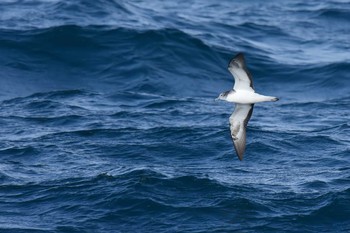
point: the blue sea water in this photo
(109, 124)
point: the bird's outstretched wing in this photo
(242, 76)
(238, 123)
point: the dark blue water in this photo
(109, 124)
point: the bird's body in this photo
(244, 96)
(247, 97)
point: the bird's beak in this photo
(217, 99)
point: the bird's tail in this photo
(271, 98)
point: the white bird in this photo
(244, 96)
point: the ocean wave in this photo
(150, 191)
(333, 208)
(19, 151)
(334, 13)
(57, 13)
(108, 60)
(125, 50)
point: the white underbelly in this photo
(247, 97)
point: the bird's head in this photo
(223, 96)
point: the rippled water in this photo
(109, 122)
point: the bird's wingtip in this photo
(237, 59)
(239, 152)
(239, 54)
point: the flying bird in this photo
(244, 96)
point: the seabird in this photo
(244, 96)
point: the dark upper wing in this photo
(242, 76)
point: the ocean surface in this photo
(109, 124)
